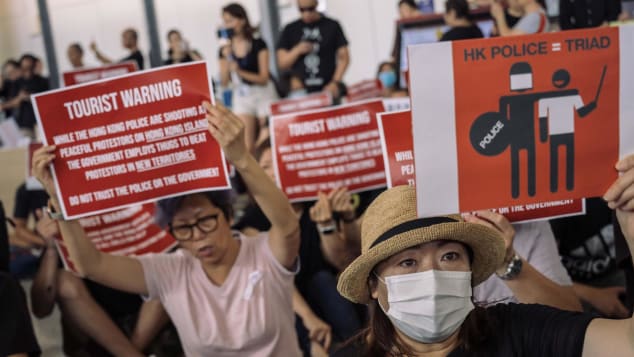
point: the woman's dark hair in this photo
(410, 3)
(166, 209)
(172, 32)
(383, 64)
(461, 7)
(237, 11)
(261, 148)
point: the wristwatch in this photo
(328, 228)
(58, 216)
(513, 269)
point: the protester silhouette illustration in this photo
(557, 124)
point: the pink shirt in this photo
(251, 314)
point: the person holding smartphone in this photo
(244, 63)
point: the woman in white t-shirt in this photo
(534, 18)
(227, 295)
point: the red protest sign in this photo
(311, 101)
(395, 129)
(367, 89)
(323, 149)
(398, 153)
(131, 231)
(131, 139)
(546, 121)
(86, 75)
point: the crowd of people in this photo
(346, 275)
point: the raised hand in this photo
(499, 223)
(228, 130)
(341, 203)
(320, 212)
(41, 160)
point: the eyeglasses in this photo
(308, 8)
(206, 224)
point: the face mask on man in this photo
(388, 79)
(430, 306)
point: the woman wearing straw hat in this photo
(417, 275)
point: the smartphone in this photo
(224, 33)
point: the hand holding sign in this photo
(499, 223)
(42, 158)
(341, 203)
(320, 212)
(228, 130)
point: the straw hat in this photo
(390, 225)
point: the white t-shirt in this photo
(560, 112)
(533, 22)
(251, 314)
(535, 242)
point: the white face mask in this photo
(430, 306)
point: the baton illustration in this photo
(592, 106)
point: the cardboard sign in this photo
(131, 139)
(398, 147)
(543, 210)
(323, 149)
(367, 89)
(86, 75)
(519, 120)
(398, 153)
(31, 183)
(131, 231)
(311, 101)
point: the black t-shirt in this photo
(511, 20)
(317, 67)
(249, 62)
(170, 60)
(27, 201)
(587, 13)
(524, 330)
(586, 243)
(462, 33)
(15, 321)
(311, 257)
(116, 303)
(25, 115)
(135, 56)
(8, 91)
